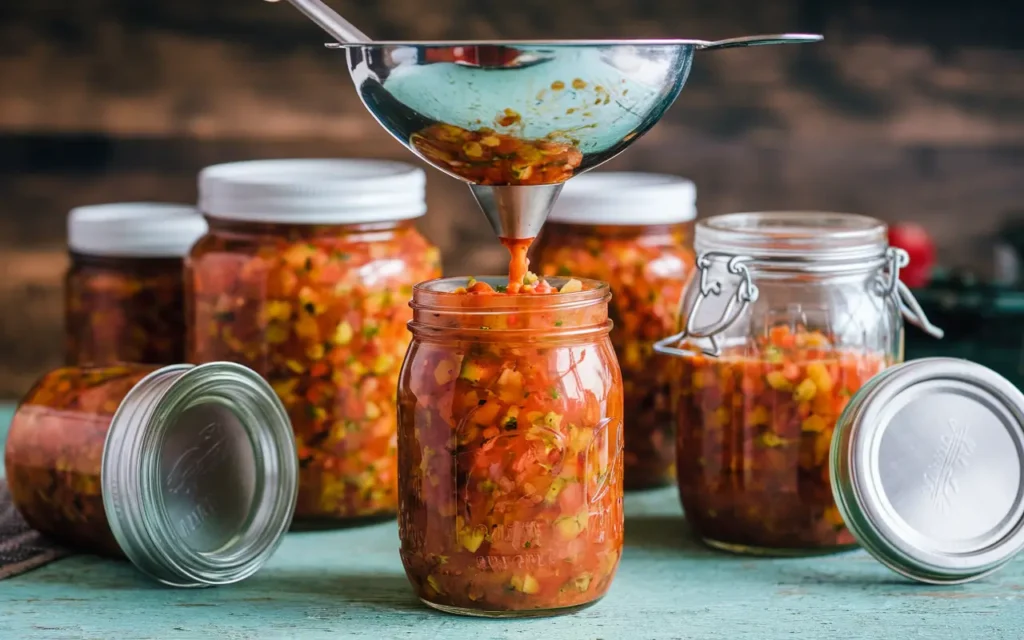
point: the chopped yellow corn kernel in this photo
(777, 380)
(805, 391)
(343, 334)
(572, 286)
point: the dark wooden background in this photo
(910, 110)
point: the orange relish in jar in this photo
(124, 289)
(305, 276)
(635, 232)
(510, 467)
(787, 316)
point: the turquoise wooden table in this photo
(350, 584)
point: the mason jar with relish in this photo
(305, 276)
(510, 442)
(635, 232)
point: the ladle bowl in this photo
(515, 120)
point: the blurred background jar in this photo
(510, 450)
(124, 295)
(305, 276)
(788, 315)
(635, 232)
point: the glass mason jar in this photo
(189, 472)
(635, 232)
(305, 276)
(510, 440)
(790, 314)
(124, 288)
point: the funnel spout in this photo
(519, 211)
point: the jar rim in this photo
(796, 235)
(165, 524)
(439, 294)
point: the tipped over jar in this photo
(510, 442)
(788, 316)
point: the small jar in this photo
(189, 472)
(510, 442)
(305, 276)
(124, 288)
(635, 232)
(789, 315)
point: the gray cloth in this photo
(21, 548)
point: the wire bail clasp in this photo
(889, 284)
(746, 292)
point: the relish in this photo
(754, 429)
(320, 311)
(510, 411)
(55, 448)
(488, 157)
(647, 268)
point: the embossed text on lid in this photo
(927, 469)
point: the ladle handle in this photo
(754, 41)
(329, 20)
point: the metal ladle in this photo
(516, 119)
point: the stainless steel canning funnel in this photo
(515, 120)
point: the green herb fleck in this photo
(563, 271)
(559, 323)
(527, 544)
(501, 288)
(554, 393)
(511, 424)
(370, 331)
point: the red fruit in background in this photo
(914, 239)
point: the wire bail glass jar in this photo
(510, 443)
(305, 276)
(789, 314)
(635, 232)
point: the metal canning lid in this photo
(200, 474)
(625, 198)
(311, 191)
(927, 463)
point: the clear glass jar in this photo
(510, 441)
(635, 232)
(305, 276)
(790, 314)
(124, 288)
(189, 472)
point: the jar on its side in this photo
(789, 315)
(305, 276)
(189, 472)
(510, 442)
(123, 291)
(635, 232)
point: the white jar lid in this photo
(624, 198)
(313, 191)
(135, 229)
